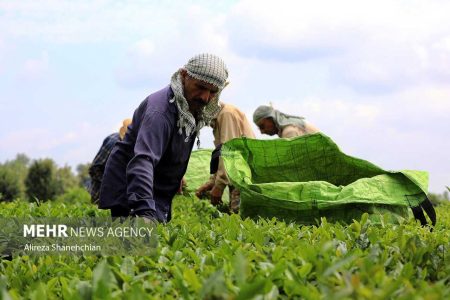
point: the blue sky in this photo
(374, 76)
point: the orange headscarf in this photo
(124, 128)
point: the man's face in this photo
(197, 93)
(267, 126)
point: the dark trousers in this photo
(119, 211)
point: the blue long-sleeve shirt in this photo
(144, 171)
(98, 165)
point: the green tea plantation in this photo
(206, 254)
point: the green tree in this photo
(83, 175)
(22, 159)
(64, 180)
(40, 181)
(10, 185)
(18, 168)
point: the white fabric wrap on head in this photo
(210, 69)
(280, 119)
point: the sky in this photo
(372, 75)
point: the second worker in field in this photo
(230, 123)
(272, 121)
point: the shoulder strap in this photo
(214, 163)
(426, 206)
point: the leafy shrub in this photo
(12, 177)
(9, 184)
(45, 181)
(83, 176)
(203, 254)
(40, 182)
(75, 195)
(64, 180)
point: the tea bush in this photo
(203, 253)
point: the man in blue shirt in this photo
(144, 171)
(97, 167)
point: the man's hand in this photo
(144, 220)
(182, 186)
(216, 196)
(206, 187)
(148, 221)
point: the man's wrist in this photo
(219, 186)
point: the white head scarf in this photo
(280, 119)
(210, 69)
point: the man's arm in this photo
(310, 128)
(97, 167)
(151, 142)
(228, 127)
(291, 131)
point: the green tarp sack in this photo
(306, 178)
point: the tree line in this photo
(43, 179)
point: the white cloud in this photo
(4, 53)
(25, 140)
(438, 58)
(370, 46)
(83, 138)
(94, 20)
(77, 21)
(34, 69)
(152, 60)
(372, 75)
(36, 139)
(388, 65)
(143, 48)
(286, 30)
(303, 24)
